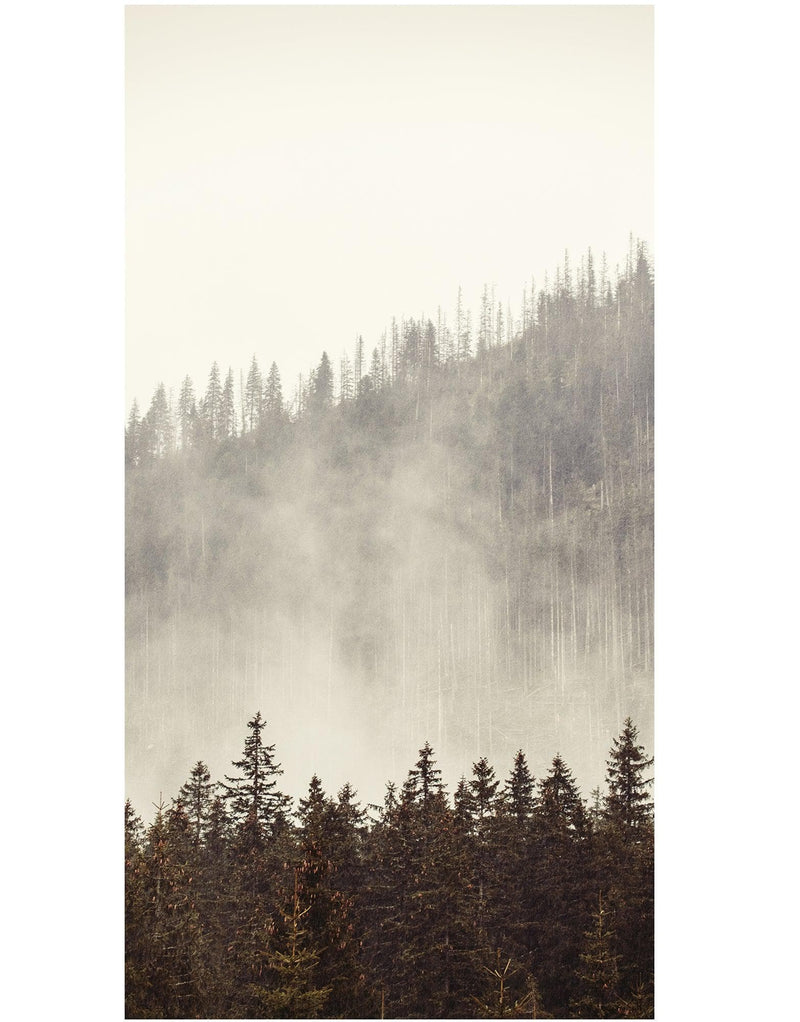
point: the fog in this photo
(463, 556)
(296, 176)
(426, 563)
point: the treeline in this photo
(410, 351)
(513, 898)
(459, 538)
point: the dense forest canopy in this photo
(514, 898)
(447, 533)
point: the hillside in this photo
(456, 545)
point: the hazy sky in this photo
(298, 175)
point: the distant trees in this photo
(253, 397)
(321, 392)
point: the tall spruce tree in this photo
(628, 806)
(197, 795)
(254, 798)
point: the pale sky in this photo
(296, 176)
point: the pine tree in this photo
(273, 396)
(628, 806)
(346, 387)
(424, 784)
(187, 414)
(321, 392)
(560, 885)
(212, 404)
(560, 809)
(464, 805)
(132, 439)
(518, 793)
(252, 398)
(167, 969)
(376, 370)
(253, 796)
(599, 971)
(291, 960)
(227, 419)
(509, 990)
(197, 796)
(158, 432)
(625, 840)
(484, 787)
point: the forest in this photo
(513, 898)
(448, 532)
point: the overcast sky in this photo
(299, 175)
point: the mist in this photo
(457, 551)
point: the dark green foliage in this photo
(599, 972)
(518, 794)
(196, 797)
(256, 804)
(168, 970)
(495, 907)
(627, 806)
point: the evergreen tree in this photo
(132, 441)
(227, 419)
(321, 395)
(464, 805)
(291, 960)
(561, 882)
(484, 789)
(196, 795)
(599, 971)
(518, 793)
(157, 432)
(212, 404)
(187, 414)
(167, 970)
(627, 804)
(560, 808)
(424, 784)
(252, 398)
(376, 370)
(253, 795)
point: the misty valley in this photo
(437, 551)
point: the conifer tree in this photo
(252, 398)
(227, 418)
(132, 440)
(212, 404)
(424, 780)
(628, 806)
(167, 971)
(484, 787)
(321, 392)
(273, 395)
(599, 971)
(158, 433)
(376, 369)
(560, 884)
(290, 960)
(197, 796)
(518, 793)
(253, 795)
(464, 805)
(187, 414)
